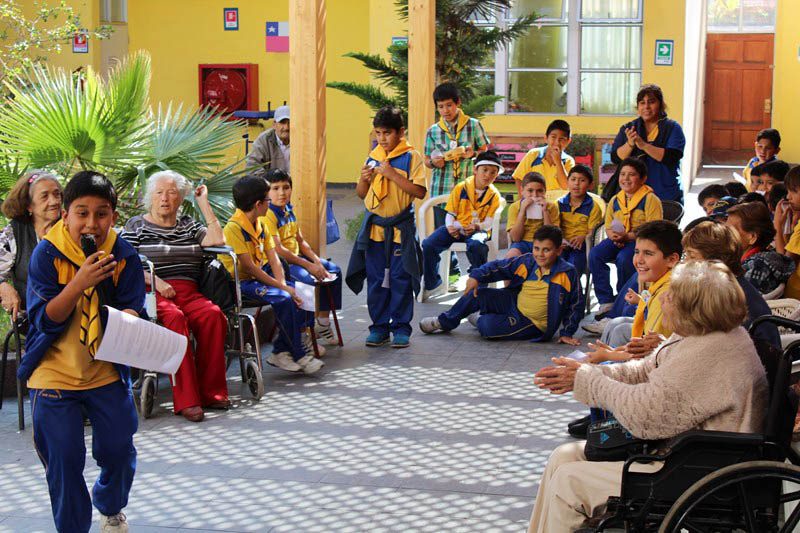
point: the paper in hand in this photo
(578, 355)
(534, 212)
(617, 226)
(306, 294)
(132, 341)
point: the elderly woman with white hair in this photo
(706, 376)
(174, 244)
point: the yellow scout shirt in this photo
(532, 299)
(534, 161)
(463, 202)
(384, 197)
(793, 283)
(531, 225)
(648, 312)
(579, 220)
(642, 207)
(246, 239)
(281, 221)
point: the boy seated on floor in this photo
(305, 265)
(767, 146)
(580, 214)
(528, 214)
(471, 209)
(544, 294)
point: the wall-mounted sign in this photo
(399, 40)
(80, 43)
(231, 17)
(664, 52)
(277, 36)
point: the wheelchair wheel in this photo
(254, 379)
(147, 396)
(740, 497)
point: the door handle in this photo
(767, 105)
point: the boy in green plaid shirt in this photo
(451, 144)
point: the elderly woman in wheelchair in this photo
(706, 376)
(175, 246)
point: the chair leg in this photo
(3, 367)
(313, 336)
(20, 403)
(335, 318)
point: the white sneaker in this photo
(473, 318)
(117, 523)
(325, 334)
(308, 346)
(310, 364)
(596, 328)
(430, 324)
(283, 360)
(604, 308)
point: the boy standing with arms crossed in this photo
(386, 252)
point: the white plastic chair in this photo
(787, 308)
(444, 263)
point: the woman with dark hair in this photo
(33, 205)
(765, 268)
(657, 140)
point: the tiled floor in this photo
(448, 435)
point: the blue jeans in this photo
(290, 318)
(604, 253)
(500, 318)
(300, 274)
(621, 307)
(58, 438)
(390, 309)
(576, 258)
(439, 241)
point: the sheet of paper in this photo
(617, 226)
(132, 341)
(578, 355)
(534, 212)
(330, 279)
(306, 293)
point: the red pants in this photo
(200, 380)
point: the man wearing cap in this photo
(271, 149)
(471, 209)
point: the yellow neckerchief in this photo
(626, 206)
(380, 185)
(256, 233)
(461, 121)
(59, 237)
(639, 319)
(653, 134)
(475, 203)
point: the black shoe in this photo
(577, 428)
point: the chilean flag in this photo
(277, 36)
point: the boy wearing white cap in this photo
(471, 209)
(271, 149)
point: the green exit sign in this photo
(664, 52)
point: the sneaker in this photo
(604, 308)
(310, 364)
(308, 346)
(377, 339)
(429, 324)
(117, 523)
(325, 334)
(400, 341)
(473, 318)
(283, 360)
(596, 328)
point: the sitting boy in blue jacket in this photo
(544, 294)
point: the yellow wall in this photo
(663, 19)
(785, 111)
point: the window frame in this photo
(105, 11)
(571, 19)
(740, 27)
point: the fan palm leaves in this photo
(68, 123)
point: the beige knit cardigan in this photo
(711, 382)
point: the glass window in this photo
(547, 9)
(610, 9)
(119, 11)
(544, 47)
(537, 92)
(741, 15)
(609, 93)
(611, 47)
(758, 13)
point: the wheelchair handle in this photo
(777, 320)
(224, 250)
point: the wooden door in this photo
(738, 101)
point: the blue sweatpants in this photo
(621, 307)
(389, 309)
(300, 274)
(500, 318)
(291, 319)
(604, 253)
(576, 257)
(439, 241)
(59, 441)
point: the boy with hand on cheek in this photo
(528, 214)
(386, 252)
(580, 214)
(471, 209)
(544, 295)
(66, 290)
(551, 161)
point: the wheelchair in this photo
(241, 341)
(714, 481)
(19, 328)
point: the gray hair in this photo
(184, 185)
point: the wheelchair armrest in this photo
(224, 250)
(777, 320)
